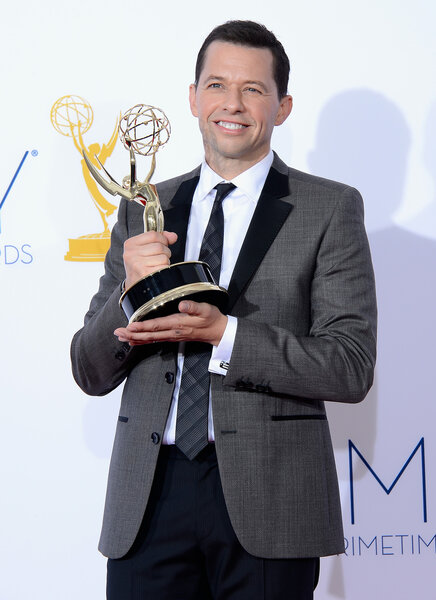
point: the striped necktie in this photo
(193, 404)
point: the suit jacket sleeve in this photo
(99, 361)
(332, 356)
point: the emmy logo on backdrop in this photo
(143, 130)
(72, 116)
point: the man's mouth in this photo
(229, 125)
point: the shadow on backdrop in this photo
(363, 139)
(425, 221)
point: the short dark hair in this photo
(256, 35)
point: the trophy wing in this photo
(110, 186)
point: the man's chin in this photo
(235, 152)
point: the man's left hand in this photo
(196, 321)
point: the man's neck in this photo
(230, 168)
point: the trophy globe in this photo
(144, 128)
(70, 114)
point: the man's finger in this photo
(158, 324)
(192, 308)
(171, 237)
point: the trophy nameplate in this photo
(143, 130)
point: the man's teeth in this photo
(228, 125)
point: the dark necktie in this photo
(193, 405)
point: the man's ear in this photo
(193, 99)
(284, 110)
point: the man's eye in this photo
(214, 85)
(252, 89)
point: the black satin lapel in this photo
(270, 214)
(177, 215)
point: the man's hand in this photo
(146, 253)
(197, 321)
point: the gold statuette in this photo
(143, 130)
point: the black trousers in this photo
(186, 548)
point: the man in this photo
(244, 507)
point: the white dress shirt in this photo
(238, 208)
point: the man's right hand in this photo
(146, 253)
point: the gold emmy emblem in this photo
(72, 116)
(143, 130)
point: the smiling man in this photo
(222, 482)
(237, 104)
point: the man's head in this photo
(254, 35)
(236, 97)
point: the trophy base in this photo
(159, 294)
(88, 248)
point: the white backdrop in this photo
(363, 81)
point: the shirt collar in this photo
(250, 182)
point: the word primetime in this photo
(390, 545)
(11, 255)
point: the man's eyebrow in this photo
(214, 78)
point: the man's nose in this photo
(233, 101)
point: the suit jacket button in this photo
(155, 437)
(120, 355)
(169, 377)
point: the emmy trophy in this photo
(72, 116)
(143, 129)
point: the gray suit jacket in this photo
(303, 292)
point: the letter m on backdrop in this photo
(419, 447)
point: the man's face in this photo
(237, 105)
